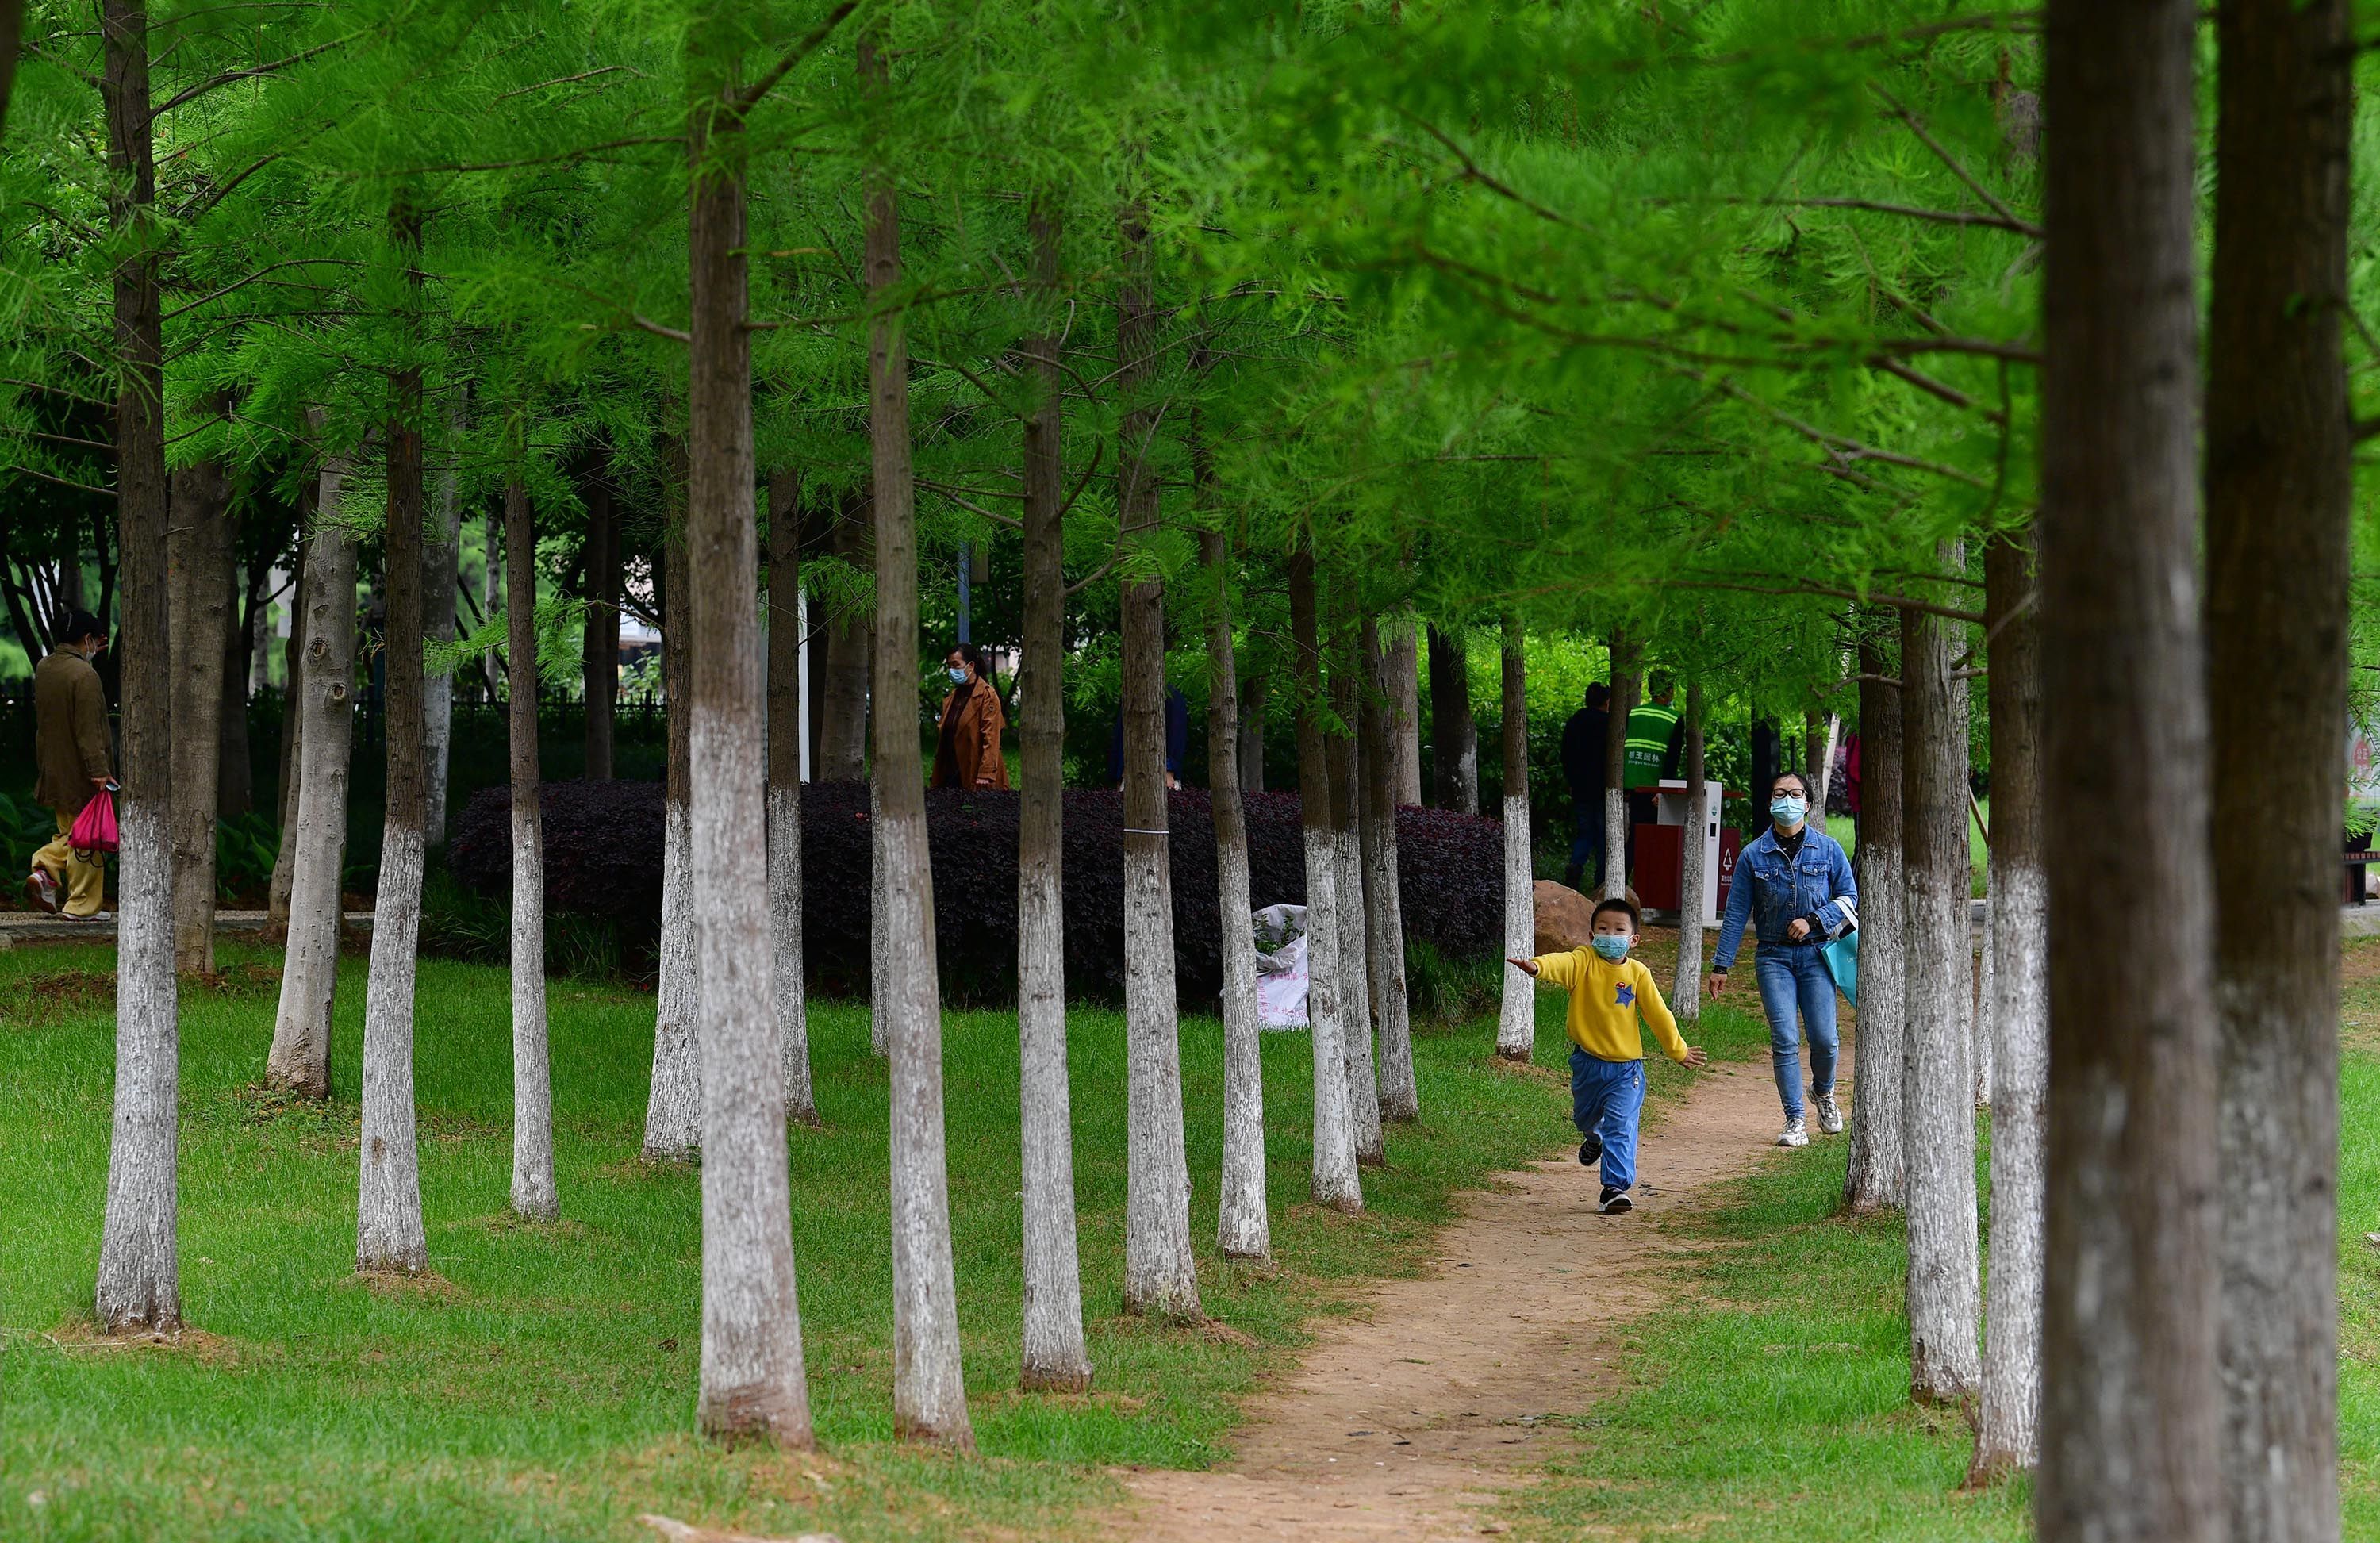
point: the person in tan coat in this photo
(967, 754)
(72, 754)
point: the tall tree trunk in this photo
(441, 553)
(324, 695)
(785, 791)
(492, 596)
(388, 1209)
(753, 1384)
(1939, 1103)
(277, 906)
(235, 778)
(843, 733)
(2278, 501)
(1876, 1174)
(293, 717)
(2007, 1425)
(673, 1100)
(1627, 683)
(2130, 1431)
(1453, 738)
(1403, 670)
(1686, 985)
(1819, 732)
(1244, 1227)
(1335, 1183)
(1355, 1008)
(599, 642)
(1253, 698)
(198, 547)
(1517, 1025)
(1055, 1358)
(1384, 923)
(928, 1392)
(1160, 1275)
(535, 1198)
(140, 1278)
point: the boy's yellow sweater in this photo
(1605, 1000)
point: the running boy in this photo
(1607, 989)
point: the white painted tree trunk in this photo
(139, 1275)
(439, 555)
(1517, 1025)
(929, 1381)
(1055, 1358)
(1242, 1220)
(673, 1104)
(1355, 1017)
(535, 1197)
(1821, 774)
(389, 1234)
(2009, 1420)
(1874, 1178)
(1384, 928)
(1335, 1182)
(753, 1383)
(792, 1008)
(1160, 1278)
(784, 730)
(1945, 1289)
(1686, 985)
(301, 1057)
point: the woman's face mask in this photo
(1788, 809)
(958, 675)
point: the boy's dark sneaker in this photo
(1616, 1201)
(1590, 1151)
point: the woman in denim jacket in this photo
(1795, 886)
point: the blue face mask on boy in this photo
(1610, 946)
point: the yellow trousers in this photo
(85, 883)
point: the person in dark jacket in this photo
(72, 753)
(967, 752)
(1177, 739)
(1583, 757)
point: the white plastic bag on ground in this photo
(1280, 967)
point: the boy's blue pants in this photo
(1605, 1098)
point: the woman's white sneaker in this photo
(1795, 1134)
(1830, 1119)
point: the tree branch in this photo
(749, 97)
(1974, 184)
(191, 93)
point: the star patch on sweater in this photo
(1627, 997)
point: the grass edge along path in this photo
(1770, 1400)
(540, 1386)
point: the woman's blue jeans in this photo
(1799, 997)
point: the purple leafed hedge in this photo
(603, 858)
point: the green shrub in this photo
(1444, 991)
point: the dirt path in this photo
(1403, 1422)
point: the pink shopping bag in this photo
(93, 835)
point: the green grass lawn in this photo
(1772, 1402)
(542, 1386)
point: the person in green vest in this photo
(1656, 739)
